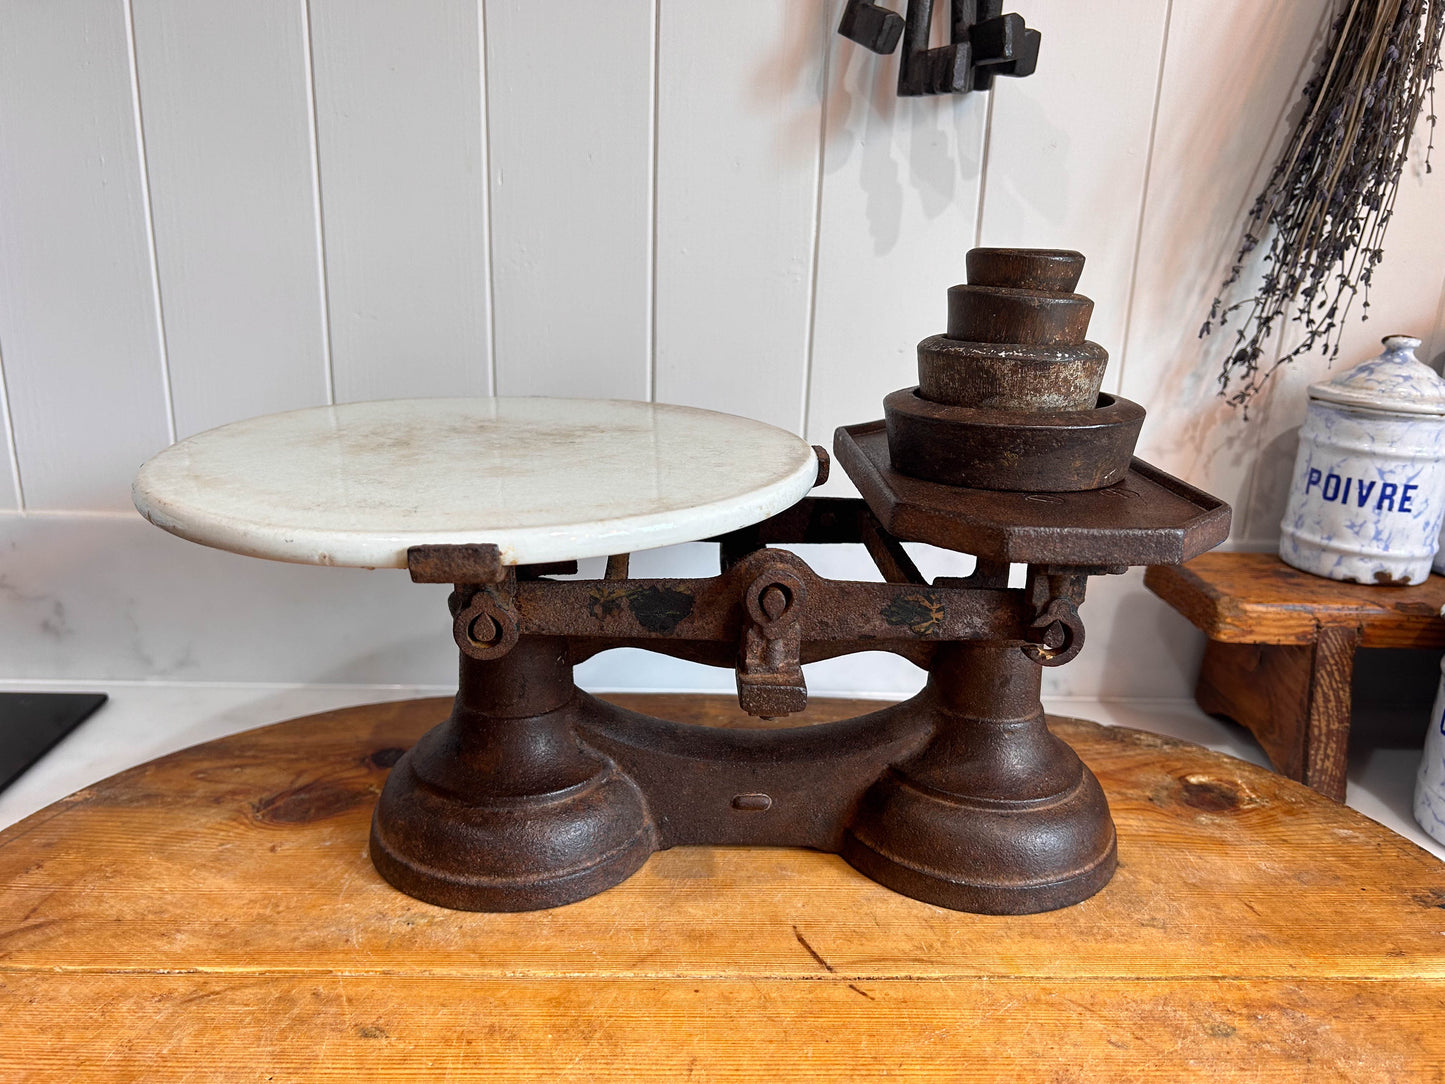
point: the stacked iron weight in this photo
(1008, 398)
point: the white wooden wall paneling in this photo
(399, 127)
(78, 329)
(1232, 71)
(899, 210)
(899, 200)
(1435, 347)
(740, 94)
(1228, 73)
(1068, 156)
(737, 192)
(1069, 148)
(227, 112)
(1404, 298)
(570, 104)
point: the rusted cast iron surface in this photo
(1015, 342)
(1148, 518)
(771, 592)
(534, 794)
(1055, 452)
(1006, 314)
(1002, 376)
(480, 563)
(1008, 398)
(1056, 270)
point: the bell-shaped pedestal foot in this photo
(995, 815)
(501, 808)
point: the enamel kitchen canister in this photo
(1368, 493)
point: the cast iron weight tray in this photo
(1147, 518)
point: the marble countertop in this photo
(145, 720)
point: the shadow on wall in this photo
(864, 115)
(1269, 493)
(1243, 151)
(1208, 164)
(1043, 191)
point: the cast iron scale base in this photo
(535, 794)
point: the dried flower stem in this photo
(1328, 201)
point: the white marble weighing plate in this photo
(542, 479)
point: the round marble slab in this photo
(542, 479)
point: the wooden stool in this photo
(214, 915)
(1282, 645)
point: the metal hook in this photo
(983, 43)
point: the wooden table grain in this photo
(213, 915)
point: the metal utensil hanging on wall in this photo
(983, 43)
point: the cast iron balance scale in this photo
(535, 794)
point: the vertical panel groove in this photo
(399, 149)
(1144, 198)
(1245, 526)
(10, 439)
(11, 447)
(1435, 344)
(571, 198)
(808, 335)
(231, 154)
(655, 93)
(1435, 340)
(983, 171)
(148, 212)
(326, 359)
(82, 382)
(737, 189)
(488, 264)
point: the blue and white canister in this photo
(1430, 783)
(1368, 494)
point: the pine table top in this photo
(213, 915)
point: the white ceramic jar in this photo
(1368, 493)
(1430, 783)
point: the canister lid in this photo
(1395, 381)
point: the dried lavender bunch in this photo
(1329, 199)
